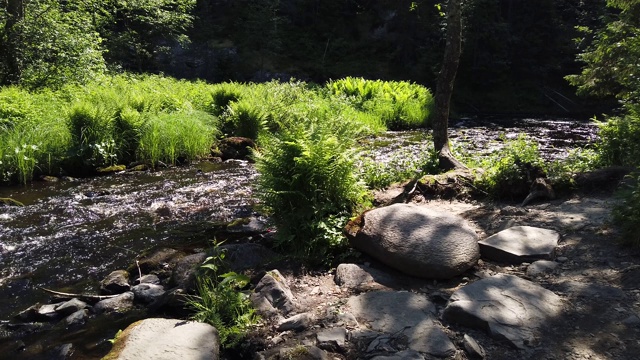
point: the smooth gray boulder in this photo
(403, 312)
(166, 339)
(519, 244)
(416, 240)
(506, 306)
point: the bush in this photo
(223, 95)
(508, 172)
(627, 214)
(619, 139)
(307, 181)
(221, 302)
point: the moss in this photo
(10, 202)
(111, 169)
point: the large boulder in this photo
(166, 339)
(507, 307)
(272, 294)
(416, 240)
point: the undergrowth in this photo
(221, 302)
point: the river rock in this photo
(47, 312)
(148, 279)
(416, 240)
(147, 293)
(507, 307)
(159, 260)
(519, 244)
(402, 355)
(240, 257)
(338, 335)
(361, 278)
(77, 319)
(115, 283)
(403, 312)
(235, 147)
(70, 307)
(297, 322)
(166, 339)
(472, 347)
(272, 294)
(541, 267)
(119, 304)
(184, 274)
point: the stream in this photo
(72, 233)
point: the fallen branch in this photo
(88, 297)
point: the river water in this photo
(71, 234)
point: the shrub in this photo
(221, 302)
(508, 171)
(307, 181)
(245, 118)
(223, 95)
(619, 144)
(627, 214)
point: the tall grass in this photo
(400, 104)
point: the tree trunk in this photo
(444, 87)
(10, 48)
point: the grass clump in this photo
(221, 302)
(399, 104)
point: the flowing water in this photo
(71, 234)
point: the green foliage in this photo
(308, 183)
(403, 165)
(169, 137)
(610, 58)
(619, 144)
(51, 45)
(627, 214)
(221, 302)
(506, 172)
(31, 136)
(400, 104)
(223, 95)
(245, 118)
(561, 172)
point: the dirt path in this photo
(597, 279)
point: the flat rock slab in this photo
(506, 306)
(416, 240)
(519, 244)
(403, 312)
(166, 339)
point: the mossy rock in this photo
(111, 169)
(10, 202)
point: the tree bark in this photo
(444, 87)
(10, 47)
